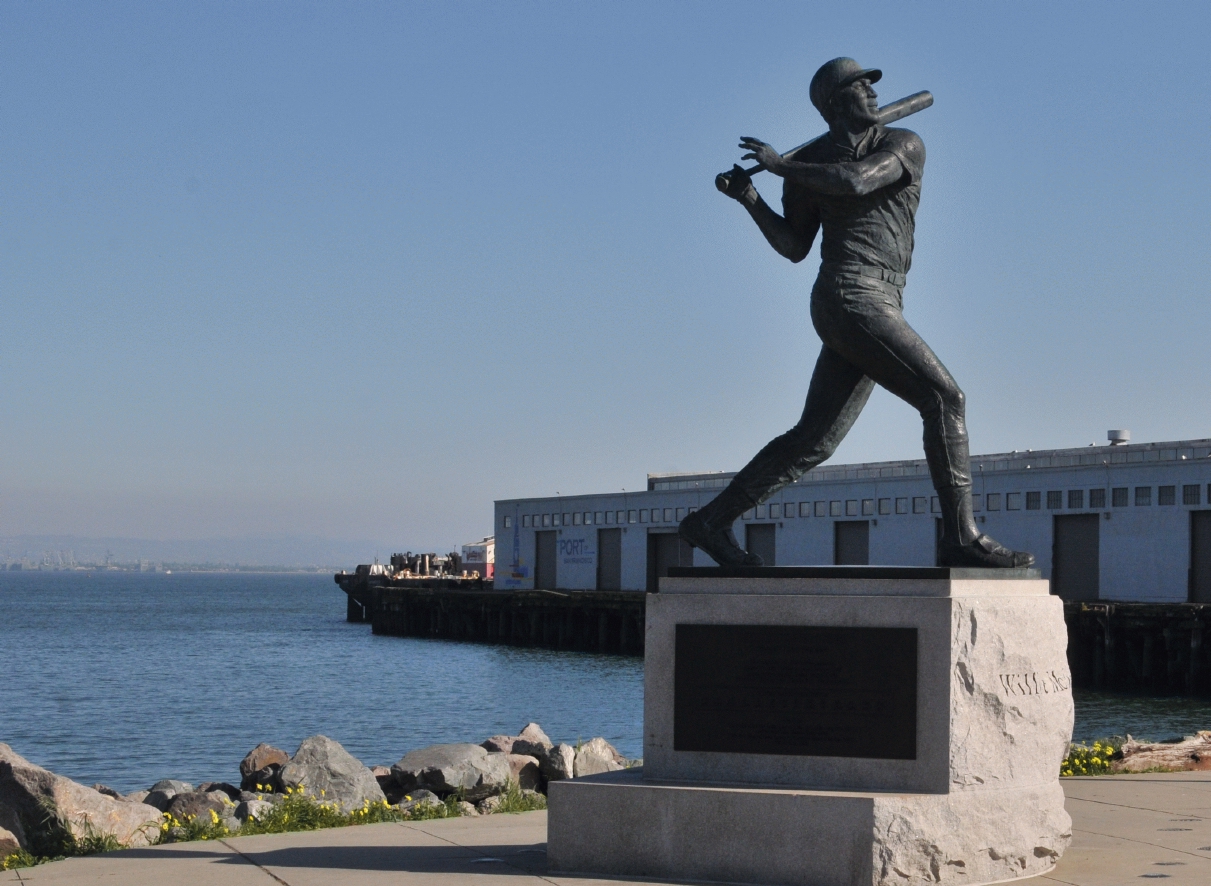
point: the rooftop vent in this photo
(1118, 438)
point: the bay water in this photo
(127, 678)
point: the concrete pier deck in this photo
(1126, 829)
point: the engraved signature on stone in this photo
(1035, 683)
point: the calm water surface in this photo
(125, 679)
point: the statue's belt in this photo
(893, 277)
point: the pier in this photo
(463, 609)
(1151, 648)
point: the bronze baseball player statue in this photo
(859, 185)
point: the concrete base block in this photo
(617, 824)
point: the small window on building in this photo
(546, 519)
(820, 509)
(993, 500)
(868, 507)
(935, 506)
(977, 504)
(788, 509)
(632, 516)
(680, 514)
(508, 522)
(1055, 499)
(884, 506)
(668, 515)
(851, 507)
(918, 504)
(747, 515)
(1033, 500)
(525, 520)
(1076, 499)
(805, 509)
(760, 513)
(1166, 495)
(598, 518)
(834, 508)
(1097, 498)
(1143, 496)
(576, 518)
(901, 505)
(1013, 501)
(1118, 497)
(609, 518)
(643, 515)
(1190, 495)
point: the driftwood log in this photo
(1187, 754)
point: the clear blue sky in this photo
(356, 270)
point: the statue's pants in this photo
(866, 341)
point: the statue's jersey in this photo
(876, 229)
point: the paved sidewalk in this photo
(1126, 829)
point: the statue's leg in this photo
(869, 331)
(835, 397)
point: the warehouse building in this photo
(1124, 522)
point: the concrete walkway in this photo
(1126, 829)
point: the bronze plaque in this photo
(797, 690)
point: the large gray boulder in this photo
(558, 763)
(532, 741)
(597, 756)
(28, 792)
(262, 766)
(525, 770)
(331, 774)
(161, 793)
(450, 768)
(192, 804)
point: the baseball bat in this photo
(918, 101)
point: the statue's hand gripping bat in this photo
(918, 101)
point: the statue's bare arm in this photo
(860, 177)
(790, 241)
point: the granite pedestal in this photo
(837, 725)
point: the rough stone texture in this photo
(489, 805)
(558, 762)
(161, 793)
(232, 792)
(25, 789)
(532, 741)
(188, 806)
(416, 798)
(619, 825)
(596, 756)
(1010, 694)
(262, 766)
(969, 836)
(8, 843)
(447, 768)
(525, 771)
(108, 791)
(1192, 753)
(252, 809)
(465, 808)
(499, 744)
(136, 796)
(330, 772)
